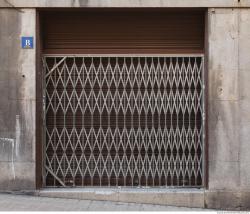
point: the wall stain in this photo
(12, 142)
(18, 134)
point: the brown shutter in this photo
(123, 31)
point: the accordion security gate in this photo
(124, 121)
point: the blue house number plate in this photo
(27, 42)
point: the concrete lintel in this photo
(125, 3)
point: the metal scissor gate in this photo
(123, 121)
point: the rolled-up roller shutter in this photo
(123, 31)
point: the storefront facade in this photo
(139, 102)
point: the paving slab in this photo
(22, 202)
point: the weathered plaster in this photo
(244, 104)
(223, 121)
(229, 99)
(223, 54)
(17, 109)
(125, 3)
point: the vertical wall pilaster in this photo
(17, 108)
(223, 121)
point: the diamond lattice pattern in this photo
(123, 121)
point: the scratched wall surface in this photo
(17, 104)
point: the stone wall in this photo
(228, 53)
(17, 104)
(229, 104)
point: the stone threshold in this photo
(182, 197)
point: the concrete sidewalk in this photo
(12, 202)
